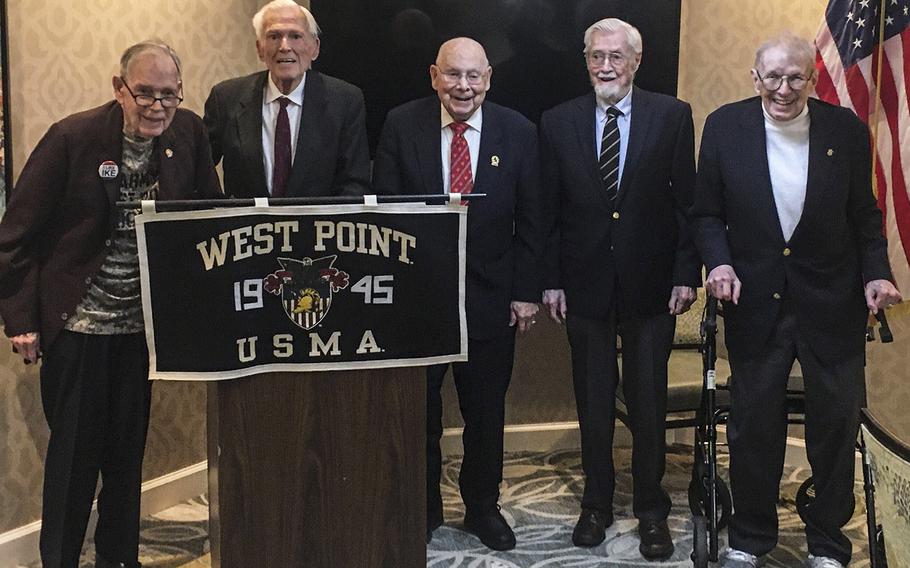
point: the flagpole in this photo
(873, 119)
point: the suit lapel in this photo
(583, 117)
(491, 145)
(427, 147)
(638, 132)
(111, 149)
(249, 132)
(819, 161)
(309, 134)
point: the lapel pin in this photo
(494, 161)
(108, 169)
(830, 151)
(168, 152)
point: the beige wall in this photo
(62, 56)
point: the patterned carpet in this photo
(540, 499)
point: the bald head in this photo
(461, 77)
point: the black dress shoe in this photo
(492, 530)
(590, 530)
(101, 562)
(656, 543)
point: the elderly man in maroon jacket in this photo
(69, 292)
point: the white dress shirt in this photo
(788, 164)
(270, 108)
(624, 105)
(471, 136)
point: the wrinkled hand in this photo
(723, 284)
(28, 345)
(880, 294)
(681, 299)
(555, 301)
(523, 314)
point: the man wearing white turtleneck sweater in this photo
(788, 228)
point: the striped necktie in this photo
(460, 179)
(609, 154)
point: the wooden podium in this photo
(320, 469)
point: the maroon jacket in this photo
(57, 228)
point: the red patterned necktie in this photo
(281, 166)
(460, 179)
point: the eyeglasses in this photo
(472, 77)
(143, 100)
(599, 58)
(773, 82)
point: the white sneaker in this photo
(733, 558)
(822, 562)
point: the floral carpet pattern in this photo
(540, 496)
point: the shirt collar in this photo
(272, 93)
(474, 122)
(624, 105)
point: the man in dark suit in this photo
(289, 131)
(788, 227)
(70, 293)
(457, 143)
(618, 169)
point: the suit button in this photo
(88, 279)
(107, 242)
(616, 214)
(776, 296)
(787, 251)
(64, 316)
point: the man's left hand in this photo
(681, 298)
(881, 294)
(523, 314)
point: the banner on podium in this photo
(228, 293)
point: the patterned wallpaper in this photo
(62, 55)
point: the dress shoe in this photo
(102, 562)
(591, 528)
(733, 558)
(822, 562)
(656, 543)
(489, 526)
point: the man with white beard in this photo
(618, 171)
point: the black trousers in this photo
(757, 432)
(646, 345)
(481, 383)
(96, 394)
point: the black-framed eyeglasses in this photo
(143, 100)
(773, 82)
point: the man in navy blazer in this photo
(503, 249)
(325, 141)
(788, 227)
(618, 169)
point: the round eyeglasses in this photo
(143, 100)
(773, 82)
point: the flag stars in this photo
(861, 23)
(850, 16)
(857, 43)
(889, 20)
(864, 3)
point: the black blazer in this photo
(641, 239)
(504, 229)
(837, 244)
(332, 157)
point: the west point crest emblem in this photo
(305, 287)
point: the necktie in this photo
(609, 154)
(460, 180)
(281, 165)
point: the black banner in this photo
(233, 292)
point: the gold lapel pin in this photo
(170, 153)
(830, 151)
(494, 161)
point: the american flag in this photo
(868, 71)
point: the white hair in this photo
(276, 4)
(794, 45)
(610, 25)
